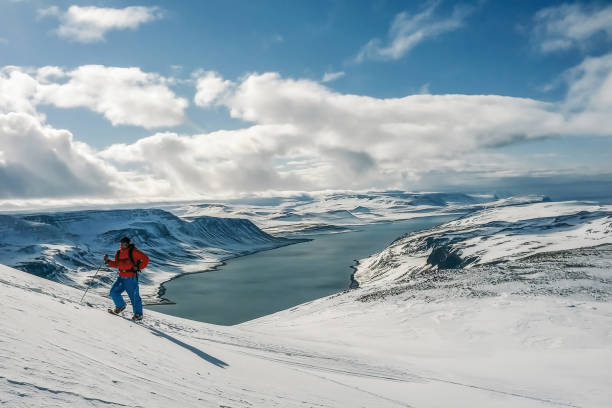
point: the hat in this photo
(125, 239)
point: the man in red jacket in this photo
(130, 261)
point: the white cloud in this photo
(590, 84)
(357, 120)
(332, 76)
(219, 162)
(47, 74)
(125, 96)
(589, 97)
(570, 25)
(90, 24)
(39, 161)
(210, 86)
(51, 11)
(17, 91)
(407, 31)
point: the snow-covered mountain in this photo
(337, 212)
(528, 326)
(68, 247)
(496, 235)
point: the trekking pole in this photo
(88, 286)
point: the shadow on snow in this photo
(195, 350)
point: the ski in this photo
(111, 311)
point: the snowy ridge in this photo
(337, 212)
(68, 247)
(493, 235)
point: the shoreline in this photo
(161, 290)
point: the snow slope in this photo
(59, 353)
(442, 343)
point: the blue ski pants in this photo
(130, 285)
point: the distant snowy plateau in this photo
(507, 306)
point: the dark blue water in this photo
(266, 282)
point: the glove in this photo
(105, 258)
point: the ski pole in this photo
(94, 277)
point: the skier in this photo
(129, 261)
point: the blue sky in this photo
(198, 99)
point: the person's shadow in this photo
(196, 351)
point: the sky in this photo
(120, 101)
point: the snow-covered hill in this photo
(68, 247)
(337, 212)
(427, 347)
(497, 234)
(56, 352)
(536, 334)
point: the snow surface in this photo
(532, 331)
(335, 352)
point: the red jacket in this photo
(125, 265)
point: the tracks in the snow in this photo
(315, 364)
